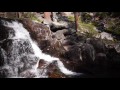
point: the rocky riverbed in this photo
(93, 57)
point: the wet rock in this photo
(3, 57)
(100, 57)
(54, 72)
(73, 53)
(27, 74)
(42, 64)
(3, 73)
(5, 32)
(52, 69)
(45, 38)
(17, 46)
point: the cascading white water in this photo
(22, 33)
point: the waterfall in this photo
(23, 62)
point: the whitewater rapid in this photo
(22, 33)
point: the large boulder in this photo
(100, 63)
(117, 47)
(45, 38)
(98, 44)
(88, 51)
(105, 35)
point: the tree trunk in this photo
(76, 16)
(47, 16)
(19, 14)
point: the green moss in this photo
(35, 18)
(31, 16)
(114, 30)
(71, 18)
(113, 26)
(110, 42)
(88, 28)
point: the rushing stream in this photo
(20, 55)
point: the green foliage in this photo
(31, 16)
(86, 17)
(114, 26)
(110, 20)
(71, 18)
(35, 18)
(87, 28)
(110, 42)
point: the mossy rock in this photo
(71, 18)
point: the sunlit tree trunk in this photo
(47, 16)
(52, 16)
(17, 14)
(76, 16)
(5, 15)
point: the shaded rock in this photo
(98, 44)
(55, 26)
(3, 73)
(42, 64)
(117, 47)
(74, 53)
(3, 57)
(88, 54)
(60, 35)
(80, 58)
(70, 32)
(45, 38)
(5, 32)
(101, 63)
(54, 72)
(111, 52)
